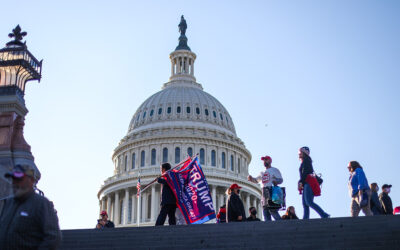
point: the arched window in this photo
(153, 156)
(188, 110)
(144, 114)
(206, 112)
(165, 154)
(142, 158)
(213, 160)
(223, 160)
(198, 111)
(159, 111)
(202, 156)
(238, 165)
(232, 163)
(220, 116)
(178, 109)
(190, 151)
(214, 114)
(126, 163)
(169, 110)
(133, 160)
(151, 112)
(177, 155)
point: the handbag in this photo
(319, 178)
(277, 195)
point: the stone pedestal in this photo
(13, 147)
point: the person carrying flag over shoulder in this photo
(168, 200)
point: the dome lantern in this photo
(182, 59)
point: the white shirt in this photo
(266, 177)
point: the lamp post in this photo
(17, 67)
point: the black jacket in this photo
(30, 223)
(376, 206)
(109, 224)
(306, 168)
(386, 202)
(251, 219)
(234, 208)
(167, 196)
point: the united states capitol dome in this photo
(179, 121)
(180, 103)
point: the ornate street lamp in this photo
(17, 65)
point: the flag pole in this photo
(138, 210)
(139, 194)
(178, 165)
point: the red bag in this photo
(312, 181)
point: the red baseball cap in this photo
(266, 158)
(234, 185)
(396, 210)
(104, 212)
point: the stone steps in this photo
(378, 232)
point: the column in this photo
(144, 207)
(221, 201)
(186, 65)
(101, 205)
(214, 196)
(247, 202)
(260, 211)
(126, 206)
(192, 67)
(109, 205)
(116, 209)
(134, 208)
(172, 66)
(153, 204)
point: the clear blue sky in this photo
(291, 73)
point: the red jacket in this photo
(312, 181)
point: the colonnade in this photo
(124, 212)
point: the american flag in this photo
(138, 187)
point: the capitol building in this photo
(180, 120)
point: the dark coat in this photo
(234, 208)
(386, 203)
(251, 219)
(109, 224)
(167, 195)
(376, 206)
(305, 169)
(30, 223)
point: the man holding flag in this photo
(168, 200)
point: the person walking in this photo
(385, 199)
(269, 177)
(168, 200)
(28, 220)
(359, 190)
(376, 206)
(290, 214)
(305, 170)
(234, 205)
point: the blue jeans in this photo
(308, 201)
(267, 214)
